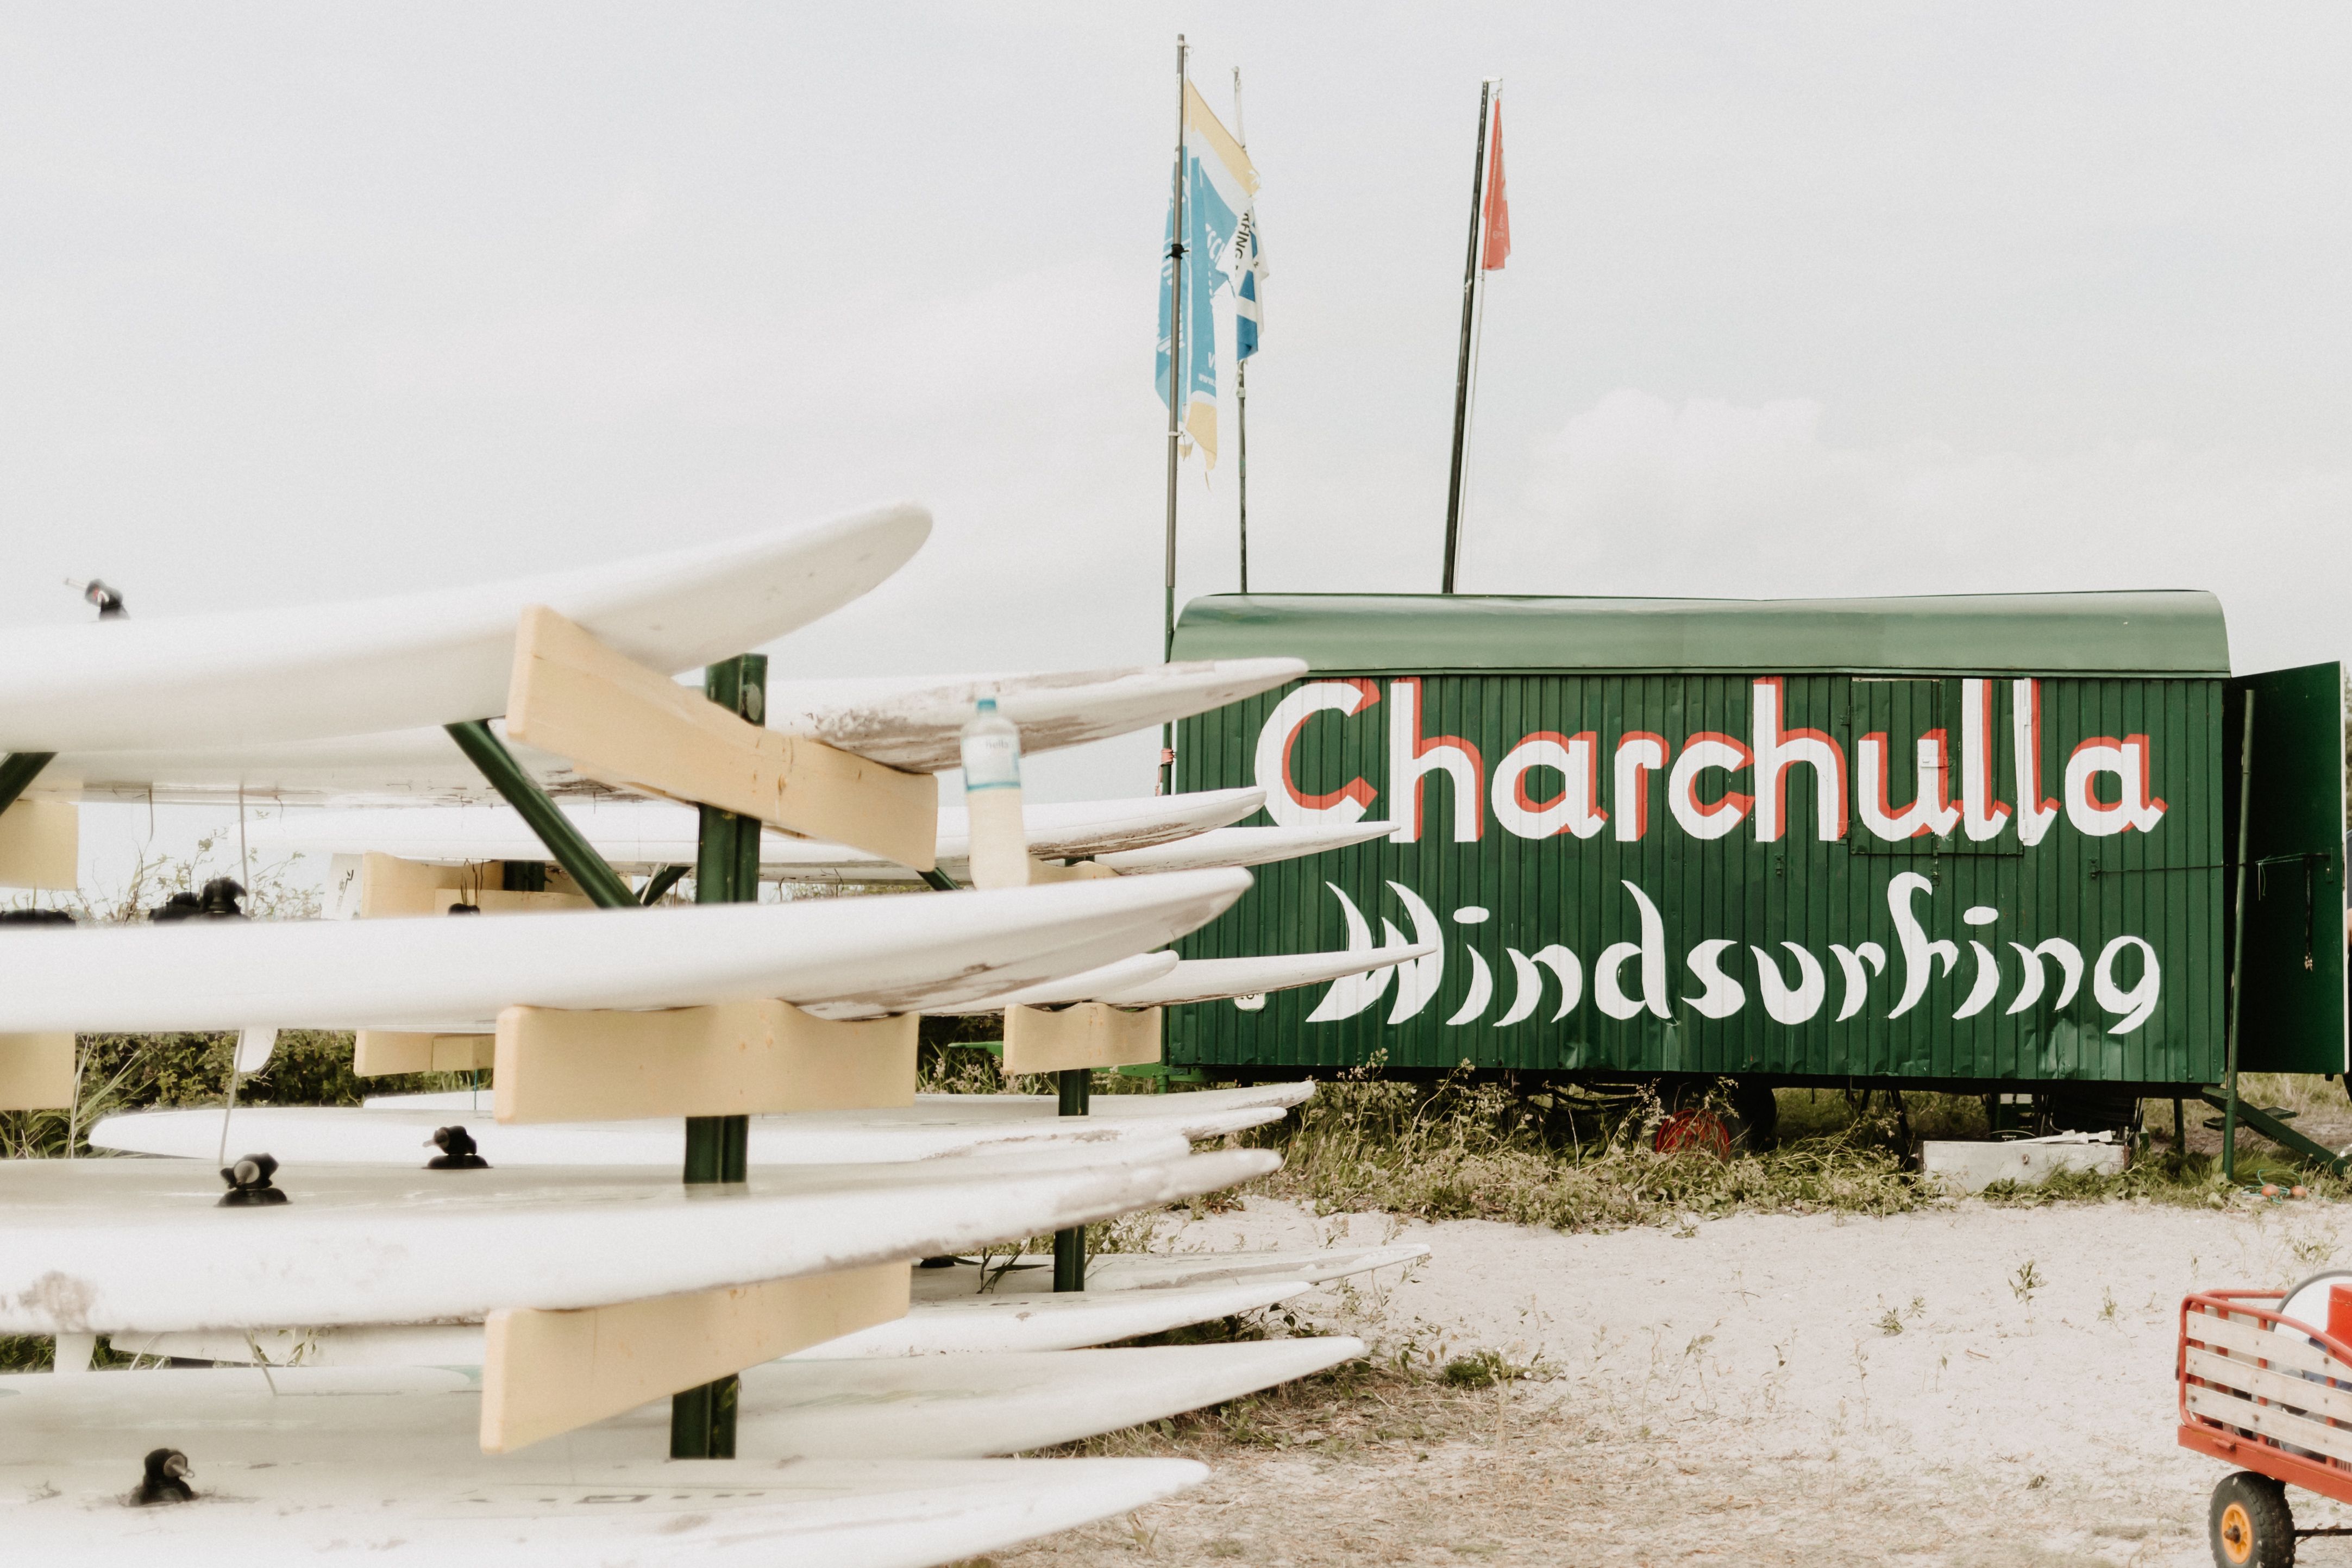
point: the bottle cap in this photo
(988, 704)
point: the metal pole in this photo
(1077, 1087)
(17, 770)
(1179, 390)
(1462, 363)
(603, 885)
(1241, 468)
(726, 872)
(1241, 371)
(2237, 944)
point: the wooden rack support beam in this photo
(1089, 1035)
(40, 840)
(636, 728)
(36, 1071)
(545, 1373)
(737, 1058)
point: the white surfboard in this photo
(969, 1325)
(96, 1246)
(878, 954)
(1241, 846)
(530, 1510)
(640, 836)
(1120, 1271)
(917, 723)
(347, 1135)
(1138, 983)
(252, 677)
(1070, 1320)
(1196, 1112)
(890, 1407)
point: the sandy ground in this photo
(1968, 1385)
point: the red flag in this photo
(1499, 206)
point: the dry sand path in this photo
(1968, 1385)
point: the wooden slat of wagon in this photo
(2270, 1421)
(2266, 1383)
(2246, 1337)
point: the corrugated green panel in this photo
(1802, 909)
(2179, 633)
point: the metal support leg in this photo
(726, 872)
(578, 857)
(1077, 1086)
(18, 768)
(2258, 1121)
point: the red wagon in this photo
(2270, 1393)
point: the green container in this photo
(1950, 841)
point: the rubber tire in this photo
(2259, 1503)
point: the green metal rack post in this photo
(1077, 1087)
(726, 872)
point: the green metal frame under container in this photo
(1591, 955)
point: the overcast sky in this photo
(314, 302)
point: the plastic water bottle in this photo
(992, 795)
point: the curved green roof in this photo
(2163, 633)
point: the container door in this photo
(2293, 1012)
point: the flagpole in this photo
(1241, 373)
(1178, 391)
(1241, 468)
(1462, 364)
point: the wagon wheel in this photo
(2248, 1524)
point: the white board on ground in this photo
(432, 657)
(106, 1245)
(638, 836)
(1118, 1271)
(914, 724)
(343, 1135)
(264, 1498)
(876, 954)
(964, 1326)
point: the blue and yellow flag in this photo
(1218, 185)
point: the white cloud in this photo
(1637, 495)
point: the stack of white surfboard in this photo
(477, 1360)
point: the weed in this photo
(2106, 1306)
(1890, 1322)
(2026, 1281)
(1463, 1150)
(2313, 1252)
(1480, 1368)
